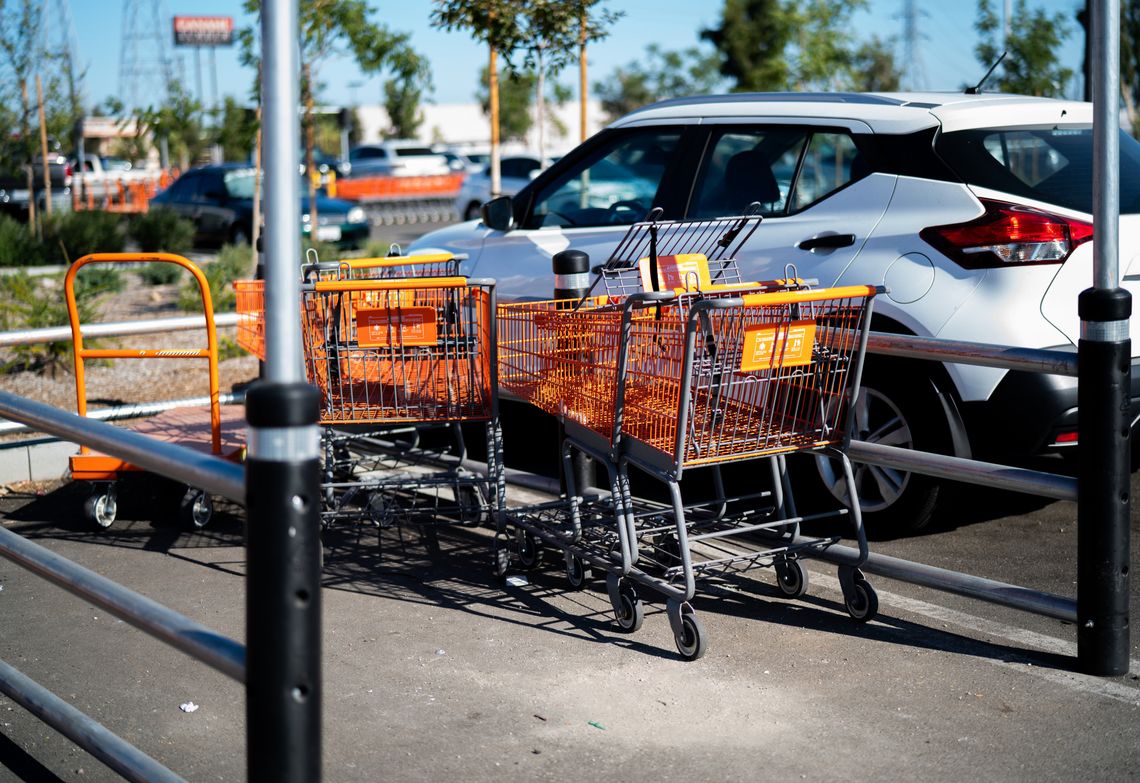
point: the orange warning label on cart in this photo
(682, 272)
(395, 326)
(768, 346)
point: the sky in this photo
(946, 44)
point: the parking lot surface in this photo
(433, 670)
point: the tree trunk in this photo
(493, 93)
(307, 82)
(583, 93)
(43, 145)
(30, 178)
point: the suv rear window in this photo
(1054, 165)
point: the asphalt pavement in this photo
(433, 670)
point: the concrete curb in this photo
(43, 459)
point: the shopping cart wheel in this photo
(791, 576)
(101, 506)
(529, 550)
(431, 539)
(501, 561)
(629, 611)
(577, 572)
(862, 602)
(196, 508)
(692, 642)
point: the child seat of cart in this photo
(211, 428)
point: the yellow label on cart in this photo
(682, 272)
(395, 326)
(768, 346)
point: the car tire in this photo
(898, 406)
(473, 211)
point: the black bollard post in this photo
(1103, 397)
(572, 282)
(283, 607)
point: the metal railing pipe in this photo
(118, 754)
(958, 469)
(989, 590)
(53, 334)
(195, 468)
(179, 631)
(908, 346)
(137, 410)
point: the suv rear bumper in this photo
(1031, 413)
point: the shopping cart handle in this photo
(653, 296)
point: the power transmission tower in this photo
(145, 68)
(914, 73)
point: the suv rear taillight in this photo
(1008, 235)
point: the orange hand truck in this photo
(218, 430)
(693, 377)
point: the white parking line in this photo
(1099, 686)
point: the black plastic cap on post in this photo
(1104, 304)
(570, 262)
(282, 404)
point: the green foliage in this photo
(28, 302)
(402, 96)
(68, 236)
(95, 280)
(234, 262)
(516, 96)
(162, 230)
(751, 40)
(18, 247)
(179, 120)
(874, 68)
(1033, 64)
(657, 75)
(237, 130)
(159, 273)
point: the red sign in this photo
(203, 30)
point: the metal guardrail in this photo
(53, 334)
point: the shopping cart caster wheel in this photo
(196, 509)
(472, 506)
(431, 540)
(100, 508)
(529, 550)
(692, 641)
(501, 562)
(577, 572)
(629, 611)
(791, 577)
(863, 602)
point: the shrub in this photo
(162, 230)
(28, 302)
(71, 235)
(160, 274)
(233, 262)
(377, 249)
(18, 247)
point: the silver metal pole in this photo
(282, 135)
(51, 334)
(118, 754)
(166, 625)
(1106, 143)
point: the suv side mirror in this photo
(498, 213)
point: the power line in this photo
(146, 71)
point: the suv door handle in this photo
(826, 241)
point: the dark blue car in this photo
(219, 201)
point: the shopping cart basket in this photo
(394, 356)
(213, 428)
(670, 388)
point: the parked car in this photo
(515, 172)
(462, 159)
(14, 194)
(395, 158)
(975, 211)
(219, 200)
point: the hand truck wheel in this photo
(101, 506)
(196, 508)
(791, 577)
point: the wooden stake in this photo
(44, 146)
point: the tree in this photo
(751, 40)
(657, 75)
(821, 56)
(1032, 65)
(873, 67)
(237, 131)
(333, 28)
(516, 103)
(20, 44)
(493, 23)
(586, 22)
(402, 97)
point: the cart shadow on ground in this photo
(398, 564)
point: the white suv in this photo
(975, 210)
(396, 158)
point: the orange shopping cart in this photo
(391, 357)
(694, 377)
(218, 429)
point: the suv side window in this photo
(184, 188)
(616, 184)
(784, 169)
